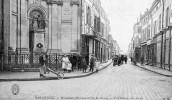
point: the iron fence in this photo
(23, 61)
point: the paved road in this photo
(126, 82)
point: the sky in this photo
(122, 15)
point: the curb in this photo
(154, 71)
(53, 78)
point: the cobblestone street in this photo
(125, 82)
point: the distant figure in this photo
(119, 60)
(131, 60)
(92, 63)
(74, 63)
(71, 60)
(42, 63)
(79, 61)
(66, 65)
(125, 59)
(115, 60)
(142, 60)
(84, 65)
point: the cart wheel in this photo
(60, 75)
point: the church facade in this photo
(51, 26)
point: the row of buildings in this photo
(29, 27)
(152, 35)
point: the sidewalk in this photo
(157, 70)
(33, 76)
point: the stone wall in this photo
(62, 24)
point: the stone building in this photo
(29, 27)
(115, 48)
(156, 25)
(136, 39)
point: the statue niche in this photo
(37, 20)
(36, 29)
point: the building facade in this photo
(29, 27)
(136, 39)
(156, 43)
(115, 48)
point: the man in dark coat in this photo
(79, 61)
(119, 60)
(115, 60)
(125, 58)
(84, 65)
(71, 61)
(92, 63)
(74, 63)
(41, 62)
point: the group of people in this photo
(69, 63)
(119, 59)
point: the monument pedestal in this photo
(39, 42)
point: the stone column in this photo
(75, 34)
(54, 26)
(59, 26)
(169, 56)
(6, 24)
(23, 25)
(22, 37)
(50, 27)
(66, 27)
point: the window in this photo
(155, 28)
(160, 22)
(98, 24)
(167, 16)
(145, 34)
(88, 19)
(148, 31)
(95, 22)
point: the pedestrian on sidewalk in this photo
(115, 60)
(142, 60)
(74, 62)
(66, 65)
(84, 65)
(79, 61)
(92, 63)
(125, 59)
(97, 65)
(42, 65)
(71, 61)
(119, 60)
